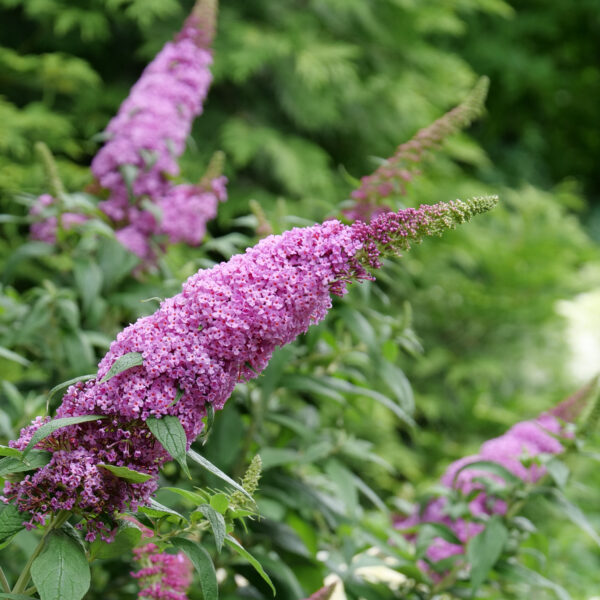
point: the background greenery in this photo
(307, 95)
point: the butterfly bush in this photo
(222, 328)
(162, 576)
(148, 135)
(514, 451)
(398, 170)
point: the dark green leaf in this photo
(61, 571)
(48, 428)
(217, 522)
(15, 596)
(485, 549)
(59, 389)
(203, 565)
(11, 521)
(35, 460)
(257, 566)
(123, 363)
(126, 473)
(206, 464)
(171, 435)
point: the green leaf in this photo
(203, 564)
(127, 361)
(62, 387)
(518, 572)
(206, 464)
(193, 497)
(126, 473)
(485, 549)
(558, 471)
(10, 355)
(7, 451)
(61, 571)
(11, 521)
(177, 398)
(217, 522)
(48, 428)
(35, 460)
(257, 566)
(15, 596)
(576, 515)
(171, 435)
(492, 467)
(156, 510)
(220, 502)
(127, 538)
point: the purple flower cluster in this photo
(162, 576)
(148, 135)
(398, 170)
(222, 328)
(521, 443)
(46, 222)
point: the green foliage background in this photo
(307, 94)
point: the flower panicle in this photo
(516, 452)
(398, 170)
(390, 233)
(201, 25)
(249, 482)
(221, 329)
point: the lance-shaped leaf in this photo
(48, 428)
(127, 474)
(485, 549)
(35, 460)
(61, 571)
(203, 565)
(170, 433)
(245, 554)
(127, 361)
(217, 523)
(203, 462)
(59, 389)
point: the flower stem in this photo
(59, 520)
